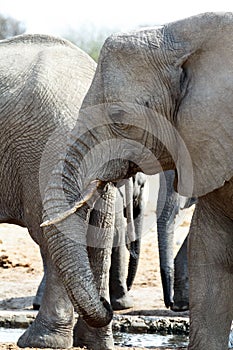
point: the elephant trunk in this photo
(138, 215)
(167, 208)
(135, 246)
(67, 238)
(133, 262)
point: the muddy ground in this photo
(21, 268)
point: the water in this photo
(10, 335)
(148, 341)
(144, 340)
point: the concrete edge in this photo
(121, 323)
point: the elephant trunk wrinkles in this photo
(165, 242)
(135, 246)
(67, 239)
(165, 228)
(133, 262)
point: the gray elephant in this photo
(129, 206)
(174, 272)
(42, 83)
(121, 280)
(161, 99)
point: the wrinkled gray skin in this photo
(120, 280)
(169, 89)
(42, 83)
(174, 272)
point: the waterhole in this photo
(150, 340)
(11, 335)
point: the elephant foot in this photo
(42, 335)
(93, 338)
(179, 307)
(125, 302)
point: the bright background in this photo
(57, 17)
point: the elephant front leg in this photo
(100, 240)
(210, 276)
(119, 296)
(53, 326)
(40, 291)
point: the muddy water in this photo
(10, 335)
(150, 340)
(121, 339)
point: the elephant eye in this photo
(118, 116)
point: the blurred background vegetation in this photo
(10, 27)
(87, 38)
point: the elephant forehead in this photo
(130, 81)
(134, 42)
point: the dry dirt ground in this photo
(21, 268)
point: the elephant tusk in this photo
(87, 194)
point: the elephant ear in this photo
(204, 119)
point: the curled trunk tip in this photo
(86, 195)
(106, 316)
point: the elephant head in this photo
(160, 99)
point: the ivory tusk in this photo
(87, 194)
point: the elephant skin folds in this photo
(21, 271)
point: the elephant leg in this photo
(119, 296)
(53, 326)
(138, 216)
(100, 259)
(40, 291)
(210, 276)
(181, 283)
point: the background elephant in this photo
(121, 280)
(162, 100)
(42, 83)
(174, 272)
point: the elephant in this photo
(174, 272)
(120, 282)
(169, 203)
(161, 100)
(43, 81)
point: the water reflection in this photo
(10, 335)
(150, 340)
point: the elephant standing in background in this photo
(174, 272)
(162, 99)
(121, 280)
